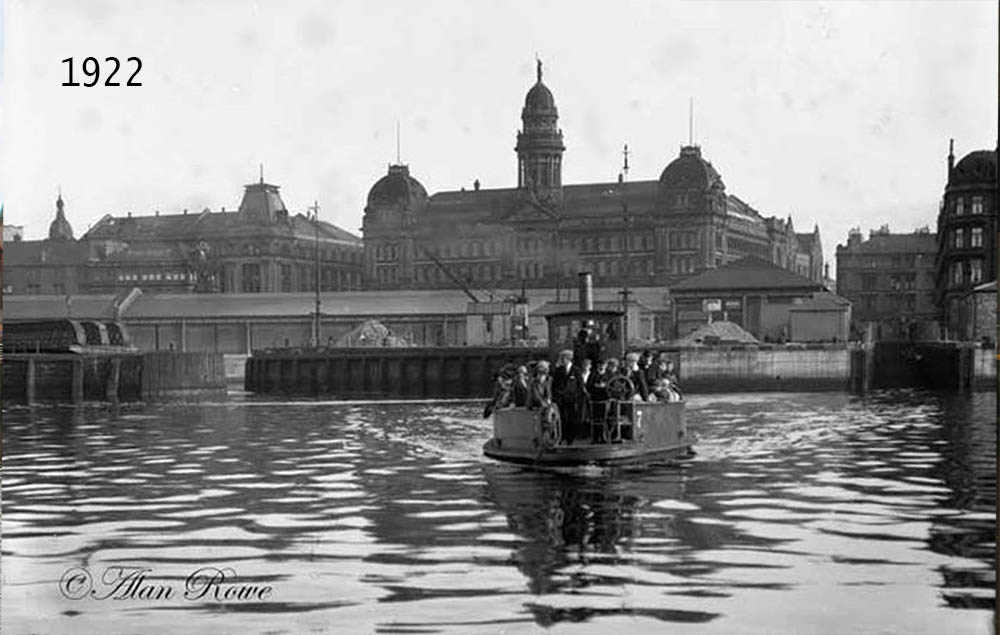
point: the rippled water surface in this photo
(802, 513)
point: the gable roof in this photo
(823, 301)
(748, 273)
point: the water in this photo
(802, 513)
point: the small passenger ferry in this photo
(623, 431)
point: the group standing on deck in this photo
(578, 387)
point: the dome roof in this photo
(539, 97)
(397, 188)
(690, 171)
(976, 167)
(60, 229)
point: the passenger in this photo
(654, 372)
(614, 368)
(583, 403)
(566, 390)
(521, 387)
(595, 348)
(580, 344)
(664, 391)
(646, 360)
(585, 369)
(637, 377)
(597, 390)
(540, 389)
(671, 373)
(501, 395)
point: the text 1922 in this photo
(92, 69)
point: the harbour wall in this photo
(123, 376)
(469, 372)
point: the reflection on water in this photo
(801, 513)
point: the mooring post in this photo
(112, 386)
(77, 387)
(29, 382)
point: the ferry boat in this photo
(623, 431)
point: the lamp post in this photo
(625, 263)
(316, 314)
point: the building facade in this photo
(753, 293)
(967, 235)
(259, 248)
(542, 232)
(889, 280)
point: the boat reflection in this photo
(582, 531)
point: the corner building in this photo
(541, 233)
(967, 236)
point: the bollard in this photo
(77, 386)
(111, 388)
(29, 382)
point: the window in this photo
(977, 204)
(250, 282)
(911, 302)
(956, 273)
(959, 206)
(58, 288)
(868, 281)
(976, 238)
(959, 238)
(286, 278)
(975, 271)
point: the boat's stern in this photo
(661, 425)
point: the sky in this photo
(838, 114)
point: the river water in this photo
(802, 513)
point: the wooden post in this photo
(77, 386)
(111, 390)
(29, 382)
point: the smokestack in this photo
(586, 291)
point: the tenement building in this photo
(967, 235)
(259, 248)
(543, 231)
(889, 280)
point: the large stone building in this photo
(542, 232)
(259, 248)
(967, 235)
(889, 280)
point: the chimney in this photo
(475, 184)
(586, 291)
(951, 157)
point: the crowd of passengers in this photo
(578, 387)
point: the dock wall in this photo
(468, 372)
(30, 378)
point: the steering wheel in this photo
(620, 388)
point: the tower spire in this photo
(398, 160)
(625, 153)
(690, 121)
(262, 173)
(538, 68)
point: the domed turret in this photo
(540, 142)
(690, 172)
(60, 229)
(977, 167)
(397, 189)
(394, 196)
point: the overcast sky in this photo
(838, 114)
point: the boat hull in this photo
(590, 454)
(640, 433)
